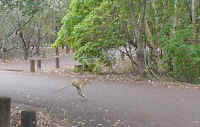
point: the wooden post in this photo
(57, 51)
(28, 119)
(32, 65)
(5, 103)
(3, 57)
(39, 64)
(57, 62)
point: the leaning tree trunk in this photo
(26, 45)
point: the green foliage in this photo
(94, 27)
(185, 57)
(28, 7)
(91, 27)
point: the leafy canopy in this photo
(92, 28)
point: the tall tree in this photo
(155, 35)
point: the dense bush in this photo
(179, 50)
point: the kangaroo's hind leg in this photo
(80, 92)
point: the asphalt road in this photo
(108, 104)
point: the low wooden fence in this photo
(28, 118)
(38, 62)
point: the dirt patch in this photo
(44, 118)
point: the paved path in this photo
(108, 104)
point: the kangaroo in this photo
(79, 84)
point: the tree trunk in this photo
(57, 51)
(26, 45)
(63, 46)
(155, 14)
(133, 63)
(170, 61)
(175, 16)
(140, 42)
(57, 62)
(26, 53)
(194, 12)
(152, 45)
(138, 30)
(67, 49)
